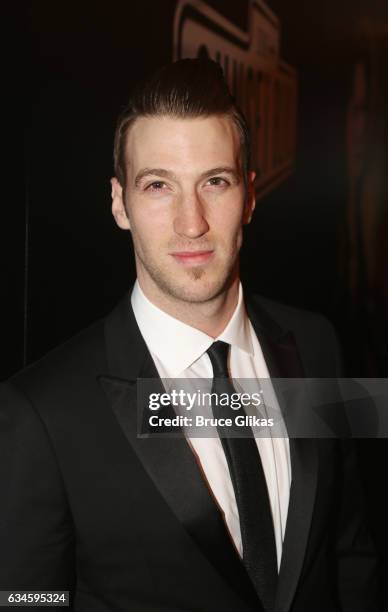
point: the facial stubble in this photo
(165, 280)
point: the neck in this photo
(210, 317)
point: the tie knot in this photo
(218, 354)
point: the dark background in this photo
(71, 66)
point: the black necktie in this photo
(250, 488)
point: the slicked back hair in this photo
(186, 89)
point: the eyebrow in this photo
(169, 174)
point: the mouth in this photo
(192, 257)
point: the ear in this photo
(250, 200)
(118, 207)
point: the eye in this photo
(156, 186)
(217, 181)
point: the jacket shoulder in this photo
(314, 334)
(66, 366)
(287, 316)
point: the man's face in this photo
(185, 204)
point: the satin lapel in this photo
(304, 465)
(278, 345)
(283, 361)
(169, 462)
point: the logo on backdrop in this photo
(264, 86)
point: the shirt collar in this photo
(179, 345)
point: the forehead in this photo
(177, 144)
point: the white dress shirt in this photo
(179, 351)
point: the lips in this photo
(192, 257)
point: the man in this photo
(165, 523)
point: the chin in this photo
(198, 288)
(197, 284)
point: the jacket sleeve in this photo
(36, 534)
(357, 562)
(358, 579)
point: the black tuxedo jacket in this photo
(128, 524)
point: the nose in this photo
(190, 220)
